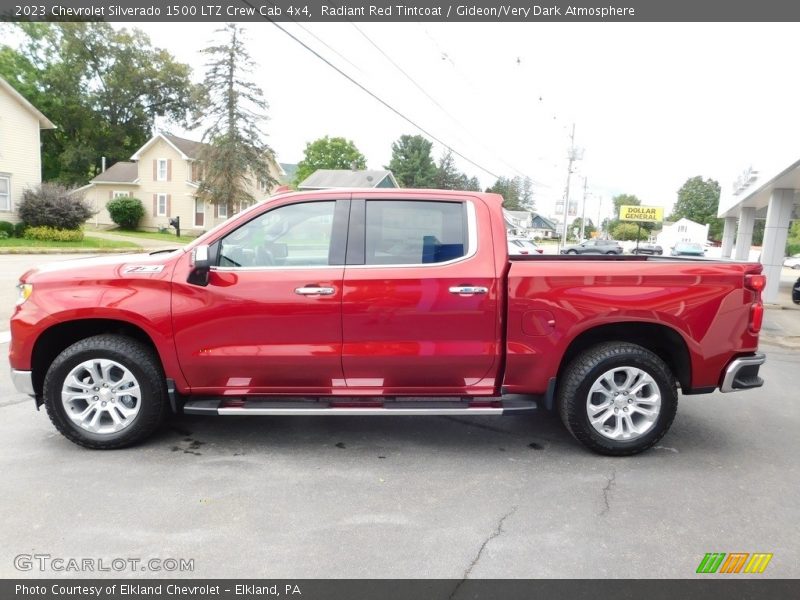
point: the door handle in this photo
(314, 291)
(468, 289)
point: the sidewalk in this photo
(782, 319)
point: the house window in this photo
(262, 185)
(222, 211)
(121, 195)
(197, 171)
(199, 213)
(682, 228)
(161, 174)
(161, 209)
(5, 193)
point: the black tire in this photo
(581, 374)
(572, 251)
(612, 252)
(142, 363)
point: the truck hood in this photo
(117, 266)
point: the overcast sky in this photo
(653, 104)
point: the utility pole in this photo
(573, 155)
(583, 214)
(599, 211)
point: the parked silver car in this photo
(594, 247)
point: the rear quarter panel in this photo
(551, 302)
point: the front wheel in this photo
(572, 251)
(617, 398)
(104, 392)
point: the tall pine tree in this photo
(236, 108)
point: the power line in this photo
(439, 106)
(375, 96)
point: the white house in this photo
(682, 230)
(20, 148)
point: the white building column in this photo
(744, 237)
(728, 235)
(779, 213)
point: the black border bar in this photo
(388, 11)
(714, 586)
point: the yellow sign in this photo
(650, 214)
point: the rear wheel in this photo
(572, 251)
(106, 391)
(617, 398)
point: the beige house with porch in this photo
(165, 175)
(20, 149)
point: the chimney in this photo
(102, 164)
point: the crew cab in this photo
(390, 302)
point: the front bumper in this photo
(23, 381)
(742, 373)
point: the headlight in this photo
(24, 290)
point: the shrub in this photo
(51, 234)
(51, 205)
(7, 228)
(126, 212)
(4, 235)
(19, 229)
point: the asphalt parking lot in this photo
(427, 497)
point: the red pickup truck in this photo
(394, 302)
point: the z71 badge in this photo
(144, 269)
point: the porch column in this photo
(744, 237)
(728, 235)
(779, 213)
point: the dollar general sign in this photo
(648, 214)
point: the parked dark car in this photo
(688, 249)
(648, 249)
(796, 291)
(594, 247)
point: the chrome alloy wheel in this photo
(101, 396)
(623, 403)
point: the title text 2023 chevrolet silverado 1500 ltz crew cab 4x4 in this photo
(396, 302)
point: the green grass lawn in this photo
(87, 242)
(150, 235)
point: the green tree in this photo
(588, 228)
(628, 231)
(102, 87)
(510, 188)
(526, 194)
(621, 200)
(329, 153)
(698, 200)
(236, 149)
(448, 177)
(412, 163)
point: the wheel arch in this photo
(662, 340)
(60, 336)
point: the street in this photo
(410, 497)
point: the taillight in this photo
(756, 317)
(755, 282)
(540, 250)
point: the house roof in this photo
(188, 149)
(345, 178)
(44, 122)
(120, 172)
(545, 221)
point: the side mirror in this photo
(200, 265)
